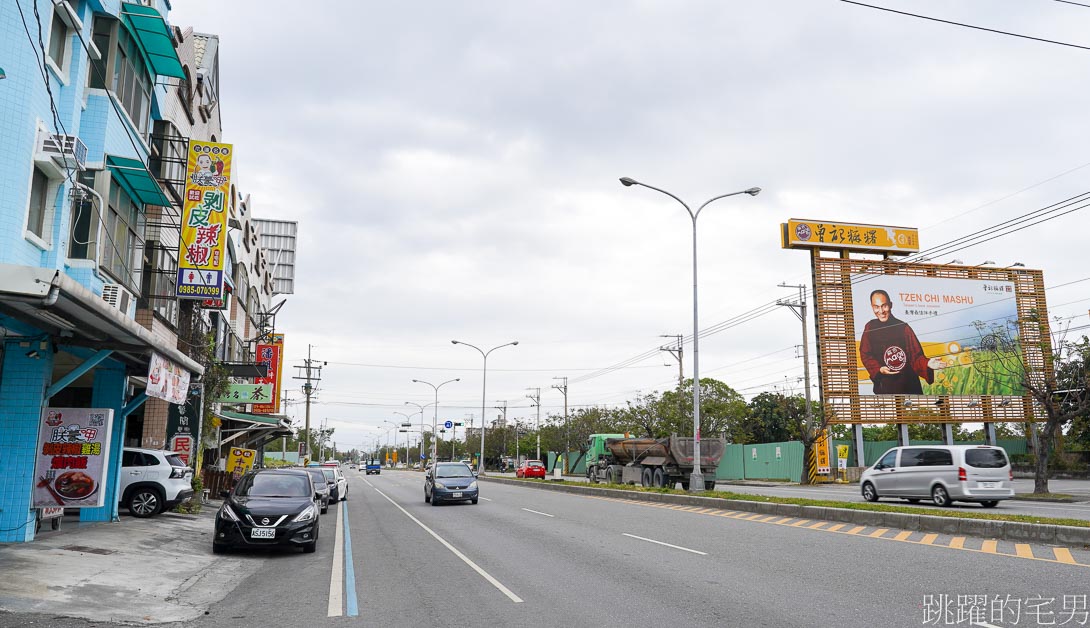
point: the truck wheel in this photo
(646, 478)
(657, 479)
(592, 475)
(709, 485)
(684, 485)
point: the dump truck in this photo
(617, 459)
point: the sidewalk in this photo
(143, 571)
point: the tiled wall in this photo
(24, 384)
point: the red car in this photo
(531, 469)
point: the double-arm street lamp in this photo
(484, 379)
(435, 417)
(696, 480)
(421, 407)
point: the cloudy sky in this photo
(454, 167)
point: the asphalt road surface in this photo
(527, 557)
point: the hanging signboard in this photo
(821, 450)
(240, 461)
(70, 466)
(271, 354)
(247, 393)
(167, 380)
(799, 233)
(202, 248)
(183, 423)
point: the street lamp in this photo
(435, 417)
(421, 407)
(696, 480)
(484, 379)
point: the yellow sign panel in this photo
(240, 460)
(821, 451)
(842, 452)
(800, 233)
(202, 250)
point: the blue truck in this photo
(373, 466)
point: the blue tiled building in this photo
(84, 85)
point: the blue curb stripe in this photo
(349, 571)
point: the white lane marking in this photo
(538, 513)
(336, 578)
(684, 549)
(486, 499)
(981, 623)
(484, 574)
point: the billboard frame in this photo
(837, 346)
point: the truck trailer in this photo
(616, 459)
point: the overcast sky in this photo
(454, 167)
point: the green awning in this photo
(266, 419)
(136, 180)
(153, 36)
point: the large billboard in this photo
(271, 353)
(202, 253)
(918, 335)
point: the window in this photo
(936, 458)
(102, 36)
(39, 204)
(890, 459)
(161, 280)
(58, 38)
(82, 241)
(121, 70)
(986, 458)
(124, 252)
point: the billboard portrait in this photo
(936, 336)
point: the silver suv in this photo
(153, 481)
(941, 473)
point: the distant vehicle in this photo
(153, 481)
(612, 458)
(941, 473)
(268, 507)
(530, 469)
(352, 466)
(321, 486)
(373, 467)
(450, 481)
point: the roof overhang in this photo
(263, 427)
(153, 36)
(136, 180)
(52, 301)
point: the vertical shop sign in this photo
(167, 380)
(70, 466)
(271, 353)
(202, 249)
(182, 425)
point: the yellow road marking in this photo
(902, 536)
(817, 526)
(989, 547)
(835, 528)
(958, 542)
(767, 519)
(879, 532)
(800, 522)
(928, 539)
(856, 530)
(1063, 555)
(1023, 550)
(782, 521)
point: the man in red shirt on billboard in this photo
(892, 354)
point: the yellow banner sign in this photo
(202, 250)
(799, 233)
(240, 460)
(821, 452)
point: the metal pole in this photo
(484, 379)
(537, 425)
(696, 480)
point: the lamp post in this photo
(396, 427)
(410, 403)
(435, 417)
(696, 480)
(484, 379)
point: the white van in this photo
(941, 473)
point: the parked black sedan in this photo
(269, 507)
(321, 486)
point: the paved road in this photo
(528, 557)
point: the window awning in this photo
(262, 427)
(136, 180)
(151, 33)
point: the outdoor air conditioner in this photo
(118, 297)
(66, 150)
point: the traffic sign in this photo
(448, 424)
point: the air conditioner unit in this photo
(68, 151)
(117, 297)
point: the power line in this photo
(979, 28)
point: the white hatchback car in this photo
(941, 473)
(153, 481)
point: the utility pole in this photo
(567, 431)
(536, 397)
(799, 310)
(313, 371)
(503, 423)
(678, 353)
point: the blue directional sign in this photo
(448, 424)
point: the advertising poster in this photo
(183, 423)
(936, 336)
(270, 353)
(167, 380)
(70, 466)
(800, 233)
(247, 393)
(239, 461)
(202, 248)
